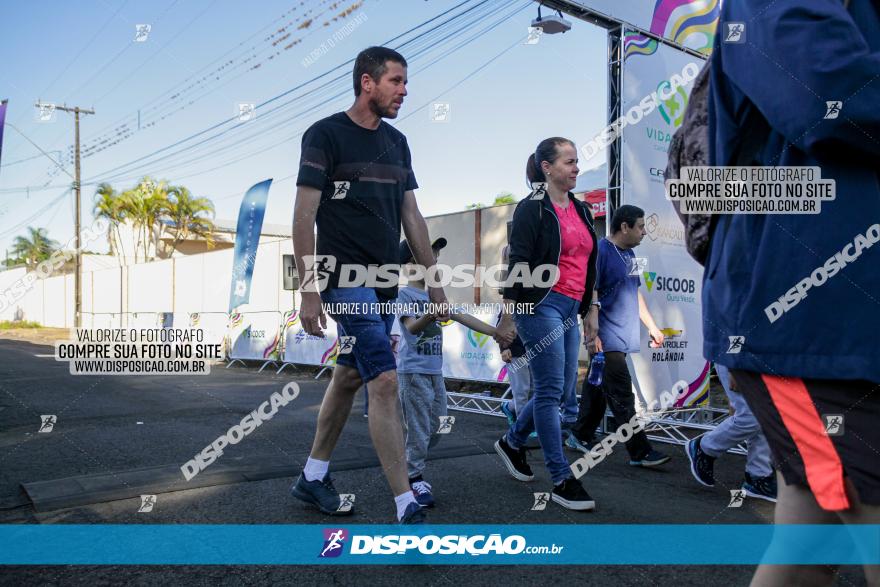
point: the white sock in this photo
(403, 500)
(315, 470)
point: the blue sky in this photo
(504, 97)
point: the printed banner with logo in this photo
(247, 238)
(671, 281)
(301, 348)
(212, 324)
(255, 335)
(690, 23)
(471, 355)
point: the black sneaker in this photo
(702, 465)
(321, 494)
(760, 487)
(572, 495)
(514, 460)
(414, 514)
(654, 458)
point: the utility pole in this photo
(77, 184)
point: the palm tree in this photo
(145, 205)
(110, 205)
(35, 247)
(190, 216)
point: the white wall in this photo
(201, 283)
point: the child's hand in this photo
(506, 355)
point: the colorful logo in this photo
(331, 354)
(689, 23)
(663, 283)
(636, 44)
(672, 109)
(334, 542)
(194, 319)
(235, 319)
(697, 393)
(271, 351)
(291, 318)
(671, 333)
(477, 339)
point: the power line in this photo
(116, 171)
(322, 101)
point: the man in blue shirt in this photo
(797, 293)
(622, 305)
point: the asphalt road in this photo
(116, 426)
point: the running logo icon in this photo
(637, 266)
(141, 32)
(833, 110)
(47, 423)
(148, 502)
(534, 35)
(736, 344)
(318, 270)
(541, 501)
(736, 32)
(539, 190)
(340, 190)
(440, 112)
(833, 424)
(346, 344)
(346, 501)
(246, 111)
(446, 423)
(736, 498)
(334, 542)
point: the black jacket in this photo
(535, 240)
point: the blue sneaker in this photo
(507, 411)
(414, 514)
(422, 490)
(572, 442)
(655, 458)
(760, 487)
(321, 494)
(702, 465)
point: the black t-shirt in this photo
(358, 221)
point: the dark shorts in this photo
(371, 352)
(820, 431)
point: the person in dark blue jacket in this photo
(792, 302)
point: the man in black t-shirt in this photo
(356, 180)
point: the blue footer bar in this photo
(31, 544)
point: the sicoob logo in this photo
(334, 542)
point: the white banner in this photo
(255, 335)
(467, 355)
(672, 281)
(212, 324)
(470, 355)
(301, 348)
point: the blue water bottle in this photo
(597, 368)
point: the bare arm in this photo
(416, 325)
(648, 321)
(474, 323)
(305, 210)
(416, 231)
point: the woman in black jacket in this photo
(551, 230)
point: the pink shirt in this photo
(577, 244)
